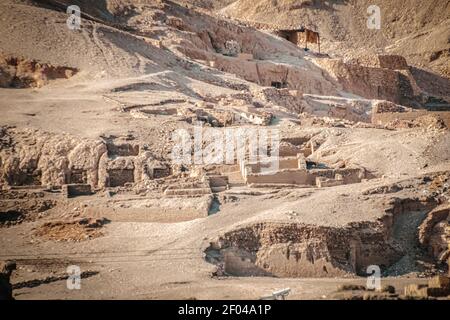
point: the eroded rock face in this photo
(299, 250)
(434, 233)
(23, 73)
(39, 158)
(285, 249)
(6, 269)
(368, 82)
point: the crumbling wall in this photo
(287, 98)
(32, 157)
(84, 159)
(347, 175)
(299, 250)
(287, 149)
(122, 149)
(191, 189)
(265, 73)
(74, 190)
(36, 158)
(115, 172)
(41, 158)
(434, 233)
(357, 110)
(302, 176)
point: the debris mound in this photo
(77, 230)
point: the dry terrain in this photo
(90, 126)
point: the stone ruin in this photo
(298, 171)
(436, 287)
(298, 250)
(390, 114)
(224, 113)
(300, 36)
(45, 159)
(293, 170)
(74, 190)
(24, 73)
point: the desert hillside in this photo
(418, 30)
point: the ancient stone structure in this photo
(298, 250)
(434, 233)
(74, 190)
(301, 36)
(23, 73)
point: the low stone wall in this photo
(298, 250)
(74, 190)
(308, 177)
(289, 176)
(190, 189)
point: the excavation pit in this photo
(303, 250)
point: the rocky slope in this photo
(418, 30)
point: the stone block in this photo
(74, 190)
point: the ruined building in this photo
(300, 37)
